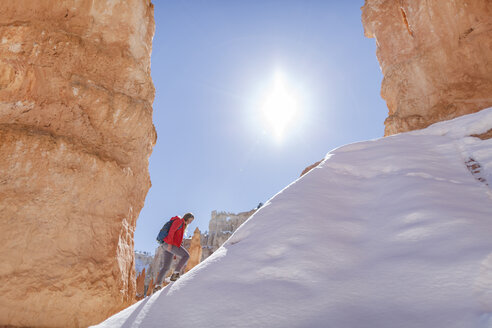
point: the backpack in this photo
(165, 230)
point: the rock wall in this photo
(221, 227)
(76, 133)
(195, 250)
(140, 285)
(310, 167)
(436, 58)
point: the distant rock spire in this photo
(195, 250)
(141, 285)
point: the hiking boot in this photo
(175, 276)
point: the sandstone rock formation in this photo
(436, 58)
(75, 136)
(221, 227)
(140, 285)
(150, 289)
(310, 167)
(483, 136)
(195, 250)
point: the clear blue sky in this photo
(214, 65)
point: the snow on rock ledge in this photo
(393, 232)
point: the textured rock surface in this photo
(221, 227)
(436, 58)
(310, 167)
(75, 136)
(483, 136)
(140, 285)
(195, 250)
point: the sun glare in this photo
(280, 107)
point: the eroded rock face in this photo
(140, 285)
(221, 227)
(436, 58)
(310, 167)
(75, 136)
(195, 250)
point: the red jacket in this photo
(176, 232)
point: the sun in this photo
(280, 107)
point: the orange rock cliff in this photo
(76, 133)
(436, 58)
(195, 250)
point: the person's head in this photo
(188, 217)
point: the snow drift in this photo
(393, 232)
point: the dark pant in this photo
(168, 259)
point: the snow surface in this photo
(394, 232)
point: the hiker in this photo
(171, 245)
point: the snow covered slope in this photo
(394, 232)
